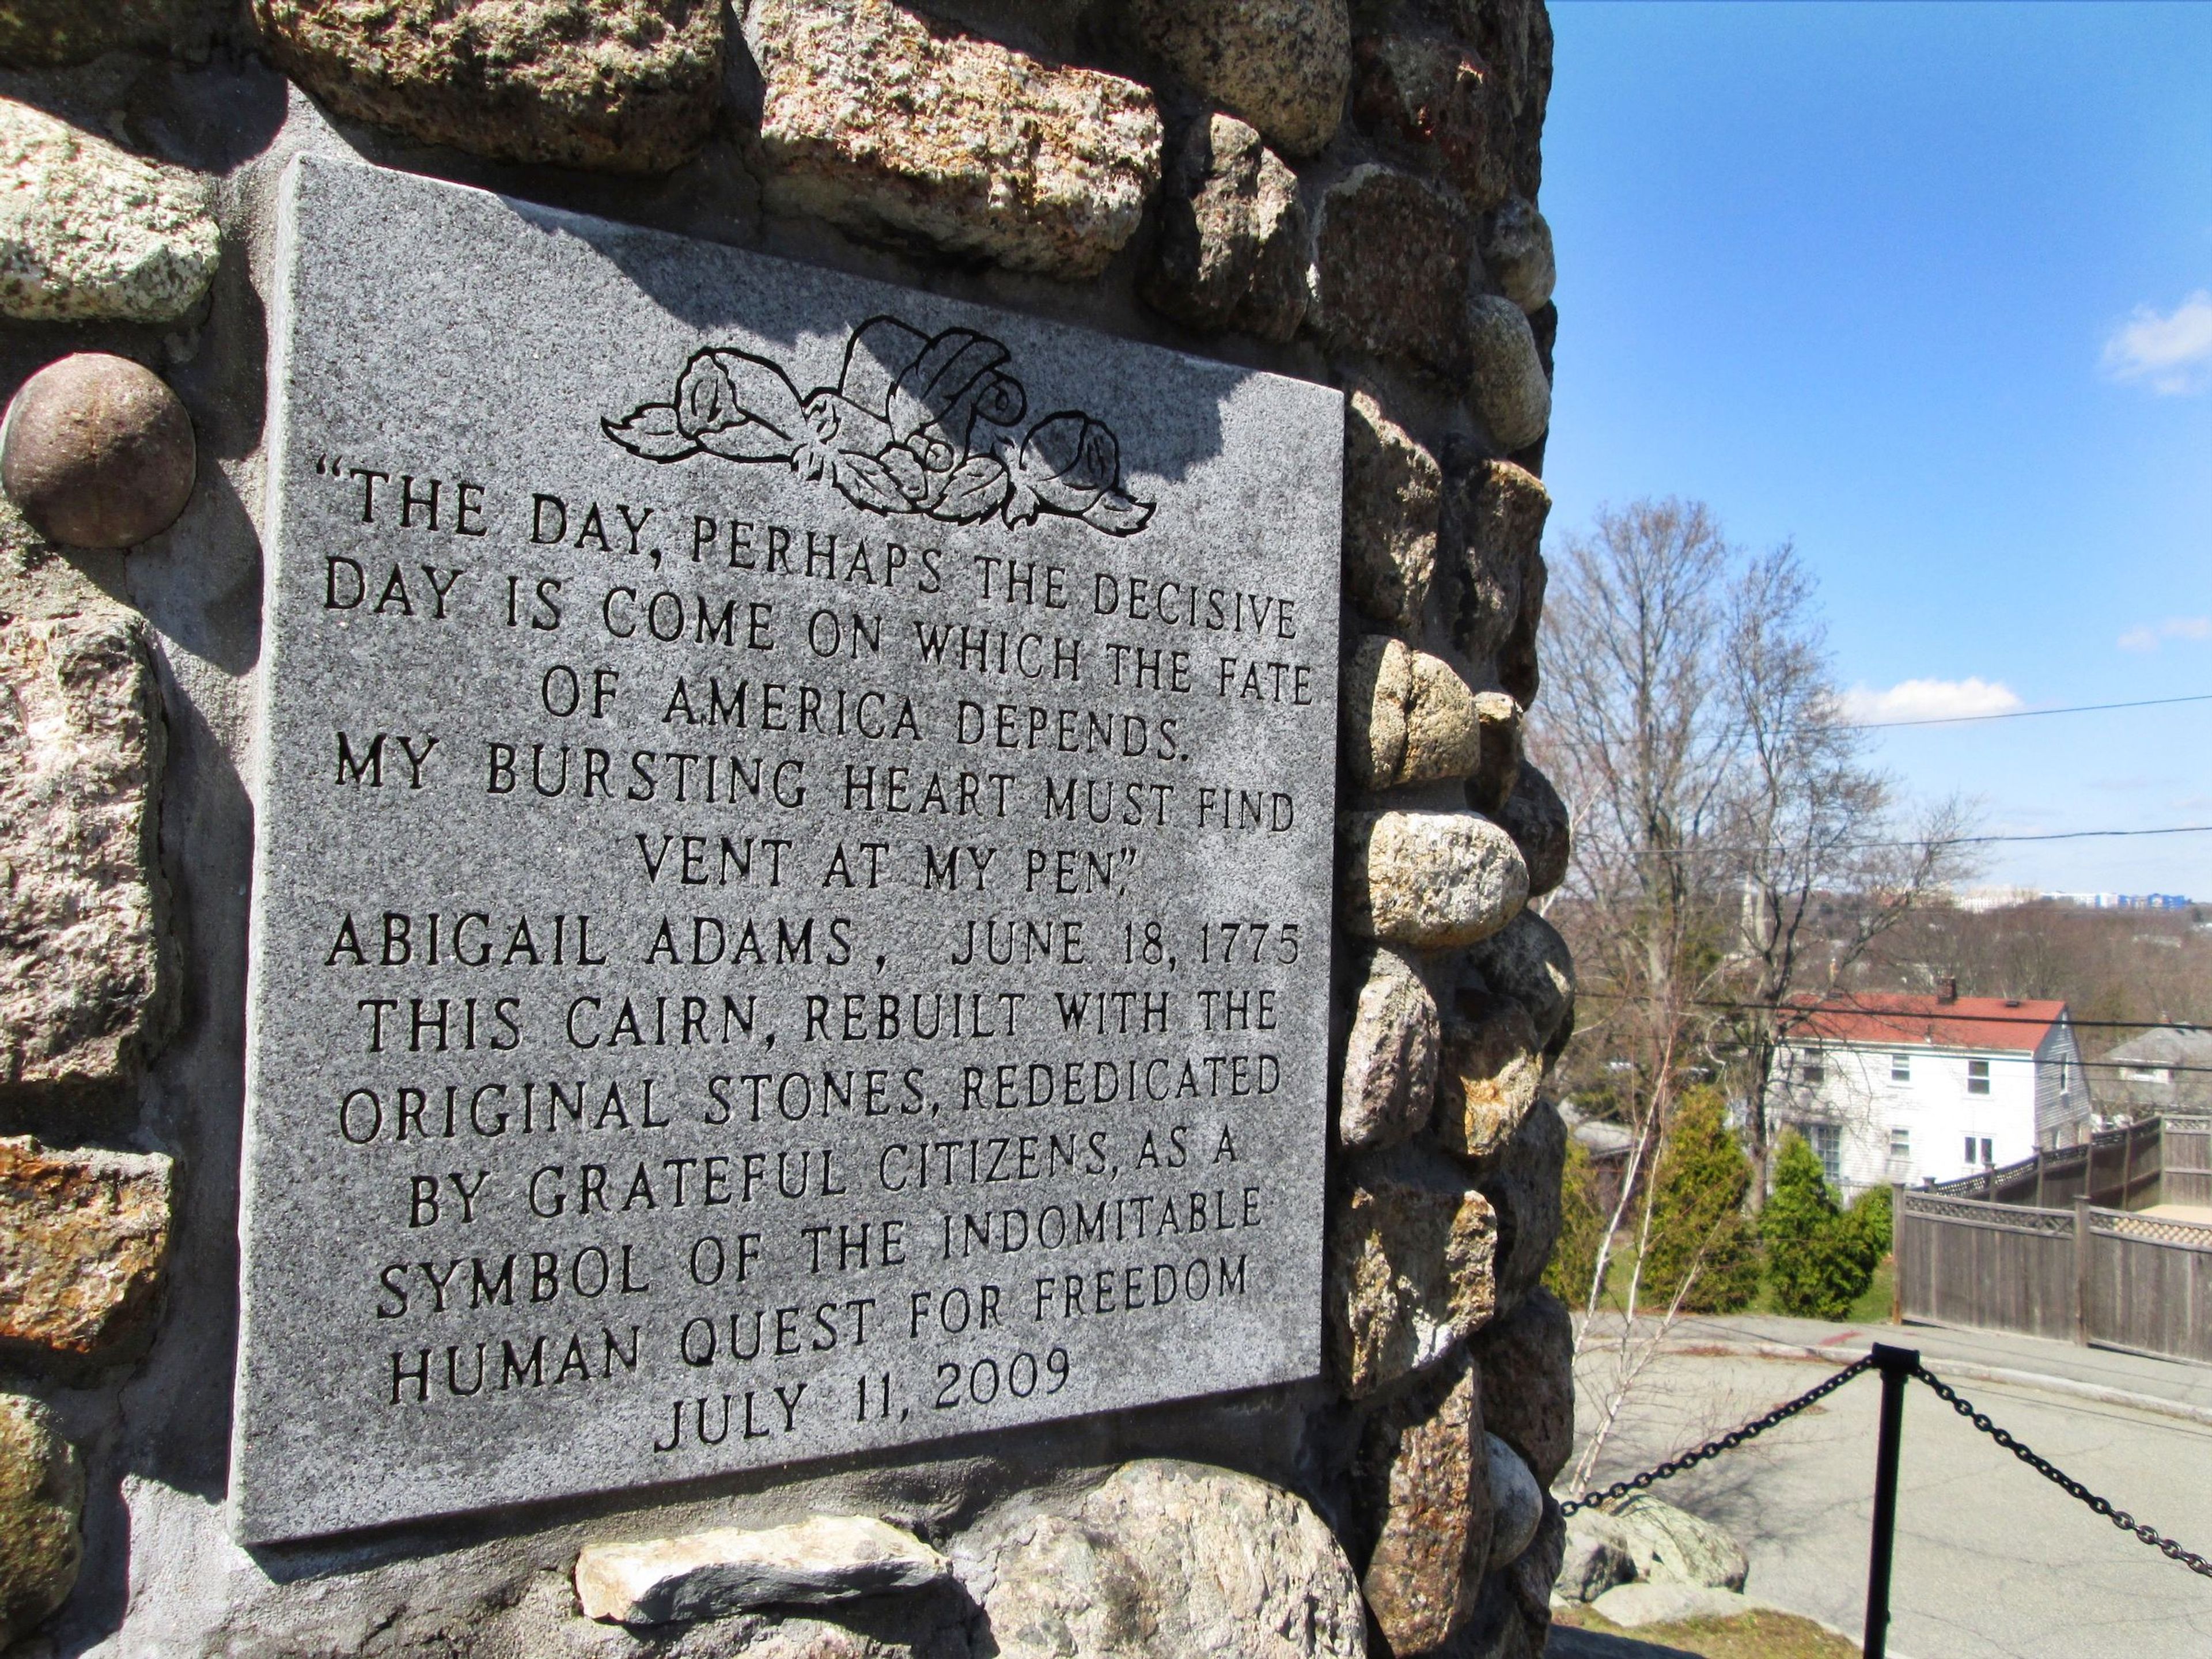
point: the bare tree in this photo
(1732, 851)
(1811, 833)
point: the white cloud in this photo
(2172, 352)
(2148, 637)
(1929, 699)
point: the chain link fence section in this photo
(2059, 1478)
(1727, 1442)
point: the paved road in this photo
(1991, 1560)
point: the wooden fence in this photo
(2161, 1161)
(2084, 1274)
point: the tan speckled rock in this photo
(83, 1238)
(1528, 961)
(1408, 716)
(92, 233)
(82, 995)
(1392, 500)
(1493, 529)
(40, 34)
(1410, 1266)
(1531, 1354)
(1281, 64)
(42, 1498)
(1390, 1056)
(1487, 1074)
(621, 86)
(1506, 382)
(1536, 818)
(894, 130)
(1428, 1460)
(1422, 90)
(1517, 252)
(1430, 880)
(1231, 249)
(1497, 763)
(1170, 1557)
(1393, 260)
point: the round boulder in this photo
(97, 452)
(41, 1496)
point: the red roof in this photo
(1879, 1018)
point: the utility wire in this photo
(2021, 713)
(1891, 1013)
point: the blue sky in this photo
(1927, 288)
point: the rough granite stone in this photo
(1492, 527)
(1534, 1571)
(1670, 1546)
(1499, 725)
(1487, 1074)
(1517, 665)
(1428, 880)
(42, 1498)
(1429, 1463)
(1595, 1557)
(711, 1574)
(1410, 1266)
(82, 996)
(1393, 258)
(1390, 1057)
(1528, 961)
(719, 388)
(1521, 1180)
(1169, 1559)
(1536, 818)
(44, 33)
(1516, 1502)
(84, 1238)
(89, 232)
(98, 452)
(1433, 93)
(1408, 717)
(1392, 502)
(1506, 383)
(618, 86)
(1281, 64)
(1531, 1404)
(1517, 252)
(1632, 1606)
(891, 128)
(1231, 248)
(1513, 39)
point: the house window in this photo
(2065, 1084)
(1978, 1077)
(1900, 1068)
(1900, 1145)
(1827, 1140)
(1970, 1149)
(1812, 1068)
(1988, 1155)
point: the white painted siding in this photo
(1931, 1123)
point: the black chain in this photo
(1727, 1442)
(2065, 1482)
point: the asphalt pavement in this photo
(1991, 1560)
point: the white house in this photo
(1891, 1087)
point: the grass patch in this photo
(1871, 1308)
(1762, 1634)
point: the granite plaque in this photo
(790, 911)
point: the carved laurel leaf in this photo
(974, 490)
(650, 430)
(867, 483)
(1117, 513)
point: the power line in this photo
(1811, 1009)
(2022, 713)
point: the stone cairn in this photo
(1342, 191)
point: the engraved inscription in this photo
(744, 971)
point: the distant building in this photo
(1979, 899)
(2166, 1070)
(2124, 901)
(1891, 1086)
